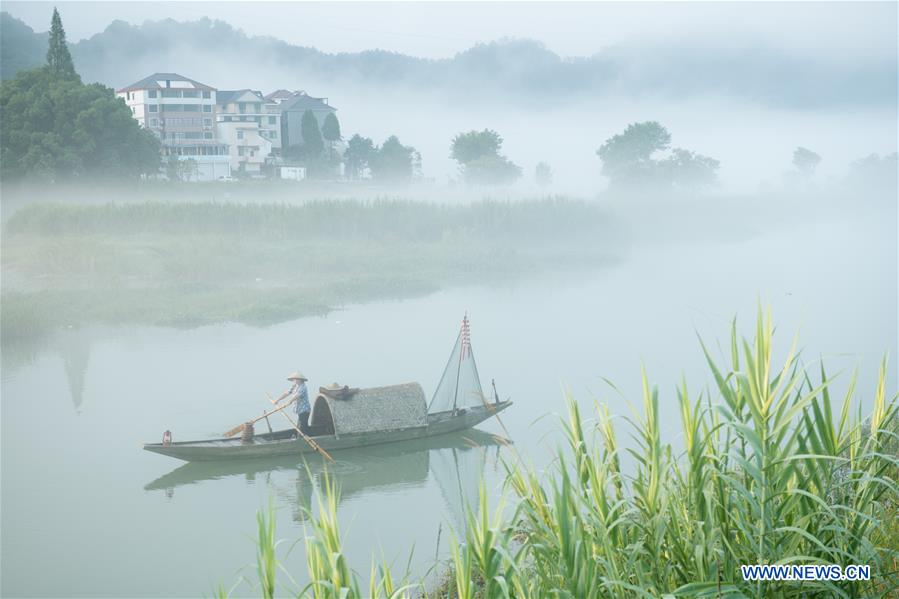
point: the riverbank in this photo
(189, 264)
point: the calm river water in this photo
(85, 512)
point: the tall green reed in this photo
(771, 471)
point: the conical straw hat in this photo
(297, 375)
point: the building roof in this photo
(372, 410)
(227, 96)
(305, 102)
(158, 81)
(281, 94)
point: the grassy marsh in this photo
(186, 264)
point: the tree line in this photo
(56, 127)
(390, 162)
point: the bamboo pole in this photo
(308, 439)
(240, 426)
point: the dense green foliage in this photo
(59, 60)
(631, 160)
(331, 128)
(357, 156)
(313, 143)
(472, 145)
(55, 127)
(479, 158)
(769, 469)
(311, 152)
(392, 162)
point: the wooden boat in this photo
(369, 416)
(405, 463)
(454, 461)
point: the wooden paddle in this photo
(239, 427)
(308, 439)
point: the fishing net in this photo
(460, 385)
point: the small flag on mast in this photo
(466, 338)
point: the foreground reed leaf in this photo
(767, 471)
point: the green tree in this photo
(312, 135)
(805, 161)
(627, 158)
(688, 170)
(56, 127)
(331, 134)
(543, 174)
(491, 170)
(470, 146)
(479, 158)
(172, 168)
(183, 170)
(312, 152)
(636, 158)
(392, 162)
(331, 128)
(357, 156)
(58, 58)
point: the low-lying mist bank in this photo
(188, 264)
(21, 194)
(261, 252)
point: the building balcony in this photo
(191, 142)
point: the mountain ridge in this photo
(518, 70)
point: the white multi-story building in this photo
(292, 108)
(223, 132)
(251, 128)
(181, 112)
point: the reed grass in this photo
(772, 469)
(186, 264)
(381, 218)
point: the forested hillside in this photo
(517, 69)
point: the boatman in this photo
(298, 393)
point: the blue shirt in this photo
(299, 388)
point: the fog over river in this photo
(77, 405)
(597, 185)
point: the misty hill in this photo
(523, 71)
(20, 47)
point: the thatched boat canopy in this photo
(372, 410)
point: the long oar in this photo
(308, 439)
(239, 427)
(491, 408)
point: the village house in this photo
(224, 133)
(251, 127)
(292, 109)
(181, 112)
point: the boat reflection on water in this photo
(456, 461)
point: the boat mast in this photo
(462, 341)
